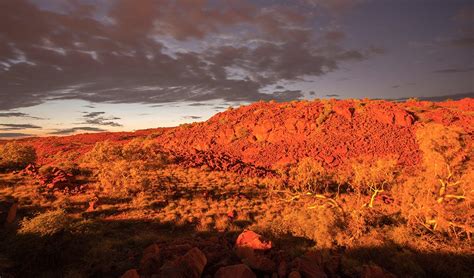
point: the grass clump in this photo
(46, 224)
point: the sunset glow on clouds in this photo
(86, 66)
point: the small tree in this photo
(310, 176)
(372, 176)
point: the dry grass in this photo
(15, 156)
(371, 206)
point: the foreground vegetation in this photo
(414, 222)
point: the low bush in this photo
(16, 156)
(372, 176)
(325, 226)
(125, 168)
(46, 224)
(439, 199)
(309, 176)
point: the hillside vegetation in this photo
(352, 188)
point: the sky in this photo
(75, 66)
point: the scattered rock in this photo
(375, 271)
(256, 260)
(235, 271)
(191, 265)
(249, 248)
(294, 274)
(282, 268)
(253, 241)
(131, 273)
(310, 265)
(150, 262)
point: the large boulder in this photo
(250, 248)
(310, 265)
(252, 240)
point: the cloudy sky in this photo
(71, 66)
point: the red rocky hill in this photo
(266, 135)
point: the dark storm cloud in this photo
(454, 70)
(13, 135)
(75, 129)
(74, 54)
(18, 126)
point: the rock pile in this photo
(220, 162)
(252, 256)
(54, 179)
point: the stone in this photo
(131, 273)
(294, 274)
(253, 241)
(235, 271)
(191, 265)
(309, 266)
(11, 216)
(255, 260)
(375, 271)
(150, 262)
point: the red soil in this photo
(267, 135)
